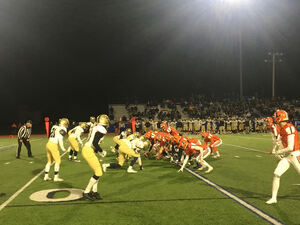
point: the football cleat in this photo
(201, 168)
(96, 195)
(104, 167)
(58, 179)
(209, 170)
(88, 196)
(77, 160)
(130, 170)
(47, 178)
(271, 201)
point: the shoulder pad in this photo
(101, 129)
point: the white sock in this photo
(205, 164)
(275, 187)
(47, 167)
(56, 167)
(95, 186)
(139, 161)
(90, 185)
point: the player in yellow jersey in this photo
(55, 139)
(128, 147)
(91, 147)
(74, 138)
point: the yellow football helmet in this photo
(128, 131)
(103, 120)
(92, 119)
(83, 125)
(146, 145)
(142, 138)
(136, 134)
(64, 122)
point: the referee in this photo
(23, 137)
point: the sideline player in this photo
(74, 138)
(91, 147)
(289, 152)
(56, 137)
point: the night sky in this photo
(71, 58)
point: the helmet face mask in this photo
(64, 122)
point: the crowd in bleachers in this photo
(206, 107)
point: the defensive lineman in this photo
(56, 137)
(288, 153)
(91, 147)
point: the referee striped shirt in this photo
(24, 132)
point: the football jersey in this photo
(137, 144)
(76, 132)
(57, 133)
(172, 131)
(285, 132)
(95, 137)
(211, 138)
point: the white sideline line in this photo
(23, 188)
(251, 149)
(17, 144)
(255, 138)
(248, 206)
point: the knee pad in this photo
(96, 177)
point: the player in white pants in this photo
(288, 153)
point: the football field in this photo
(234, 193)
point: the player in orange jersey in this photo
(214, 140)
(200, 152)
(289, 152)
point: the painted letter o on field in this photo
(45, 195)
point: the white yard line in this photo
(23, 188)
(250, 149)
(247, 205)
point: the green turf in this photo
(156, 195)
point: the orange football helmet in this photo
(281, 116)
(204, 134)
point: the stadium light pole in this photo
(241, 60)
(274, 57)
(237, 4)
